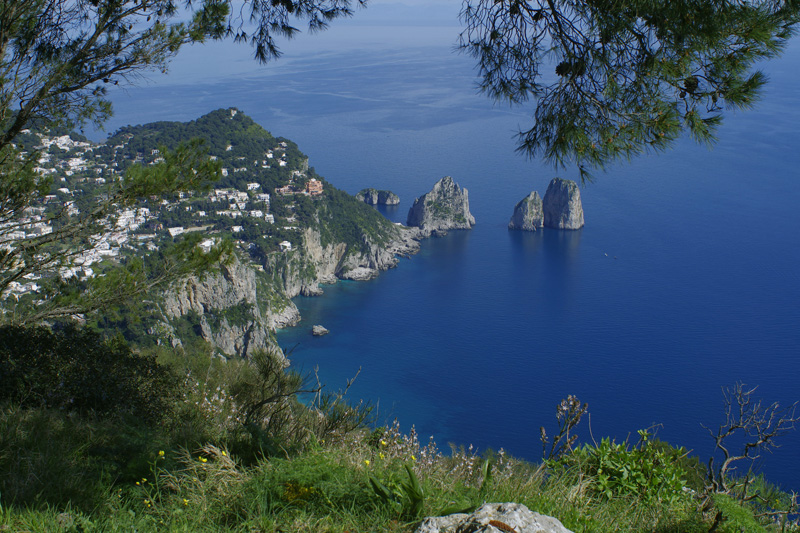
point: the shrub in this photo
(77, 370)
(651, 473)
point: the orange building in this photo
(314, 187)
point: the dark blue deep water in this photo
(685, 279)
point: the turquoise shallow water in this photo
(684, 280)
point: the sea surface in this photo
(685, 279)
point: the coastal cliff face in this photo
(375, 197)
(340, 261)
(562, 205)
(445, 207)
(528, 214)
(237, 309)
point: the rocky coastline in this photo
(238, 308)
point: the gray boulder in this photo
(528, 214)
(494, 518)
(562, 205)
(319, 331)
(445, 207)
(376, 197)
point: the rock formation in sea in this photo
(562, 205)
(528, 214)
(493, 517)
(376, 197)
(319, 331)
(445, 207)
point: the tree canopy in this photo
(610, 79)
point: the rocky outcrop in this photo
(338, 261)
(319, 331)
(494, 518)
(445, 207)
(528, 214)
(376, 197)
(235, 309)
(562, 205)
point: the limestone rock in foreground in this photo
(375, 197)
(494, 518)
(528, 214)
(562, 205)
(445, 207)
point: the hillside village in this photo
(254, 202)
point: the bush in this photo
(53, 458)
(77, 370)
(645, 471)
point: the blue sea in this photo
(685, 279)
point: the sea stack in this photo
(445, 207)
(376, 197)
(528, 214)
(562, 205)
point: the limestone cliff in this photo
(237, 309)
(340, 261)
(445, 207)
(528, 213)
(376, 197)
(234, 309)
(562, 205)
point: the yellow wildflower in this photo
(161, 453)
(413, 458)
(224, 454)
(203, 459)
(380, 455)
(366, 462)
(383, 443)
(185, 501)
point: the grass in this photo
(201, 470)
(326, 488)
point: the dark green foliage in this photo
(219, 129)
(644, 471)
(405, 496)
(345, 219)
(49, 457)
(610, 79)
(734, 518)
(315, 481)
(77, 370)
